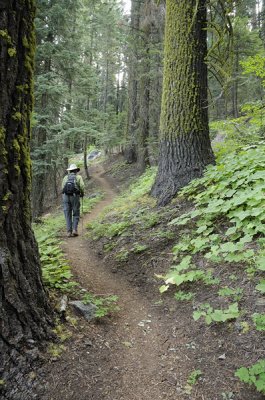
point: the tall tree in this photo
(56, 58)
(133, 84)
(150, 83)
(24, 309)
(185, 147)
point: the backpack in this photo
(70, 187)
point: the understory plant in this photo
(192, 380)
(105, 305)
(254, 375)
(216, 315)
(133, 207)
(227, 224)
(259, 321)
(56, 271)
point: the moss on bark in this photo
(25, 312)
(185, 147)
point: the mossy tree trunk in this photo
(185, 147)
(24, 309)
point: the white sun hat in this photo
(73, 167)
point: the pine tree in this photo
(185, 147)
(24, 310)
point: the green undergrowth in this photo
(55, 268)
(253, 375)
(225, 229)
(105, 305)
(56, 271)
(227, 224)
(133, 208)
(232, 135)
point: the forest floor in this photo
(148, 350)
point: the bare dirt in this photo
(145, 351)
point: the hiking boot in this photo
(69, 234)
(75, 233)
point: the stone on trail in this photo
(88, 311)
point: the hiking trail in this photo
(151, 348)
(124, 359)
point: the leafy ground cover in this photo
(56, 270)
(202, 255)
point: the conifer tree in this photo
(24, 309)
(185, 147)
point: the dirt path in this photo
(149, 349)
(118, 360)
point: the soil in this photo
(149, 348)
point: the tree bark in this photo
(156, 79)
(185, 147)
(130, 152)
(144, 91)
(235, 112)
(85, 157)
(24, 310)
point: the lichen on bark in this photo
(25, 312)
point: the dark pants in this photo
(71, 207)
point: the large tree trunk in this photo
(24, 309)
(156, 69)
(130, 152)
(185, 147)
(144, 100)
(144, 86)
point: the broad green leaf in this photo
(197, 315)
(261, 286)
(260, 263)
(208, 319)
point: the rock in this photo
(88, 311)
(32, 354)
(260, 302)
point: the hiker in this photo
(72, 189)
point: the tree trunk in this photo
(40, 178)
(85, 158)
(156, 78)
(185, 147)
(24, 311)
(235, 112)
(130, 152)
(144, 90)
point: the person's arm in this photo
(81, 185)
(64, 181)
